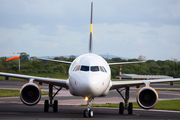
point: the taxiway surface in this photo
(20, 111)
(13, 108)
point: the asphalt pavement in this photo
(69, 106)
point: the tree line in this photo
(30, 65)
(150, 67)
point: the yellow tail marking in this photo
(91, 28)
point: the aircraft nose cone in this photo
(89, 84)
(92, 87)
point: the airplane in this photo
(89, 77)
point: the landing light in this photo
(86, 98)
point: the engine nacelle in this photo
(147, 97)
(30, 94)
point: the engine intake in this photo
(147, 97)
(30, 94)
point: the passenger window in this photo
(84, 68)
(94, 68)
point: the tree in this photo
(175, 60)
(33, 58)
(72, 56)
(116, 59)
(142, 58)
(24, 57)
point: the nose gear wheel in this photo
(88, 112)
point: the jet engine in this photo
(30, 94)
(147, 97)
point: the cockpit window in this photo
(84, 68)
(89, 68)
(102, 69)
(94, 68)
(77, 68)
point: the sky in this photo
(124, 28)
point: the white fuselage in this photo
(89, 76)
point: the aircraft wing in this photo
(57, 61)
(121, 84)
(122, 63)
(58, 82)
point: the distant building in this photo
(143, 77)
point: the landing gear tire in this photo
(121, 108)
(85, 113)
(55, 106)
(130, 109)
(90, 113)
(46, 106)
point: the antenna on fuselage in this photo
(91, 30)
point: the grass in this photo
(135, 80)
(168, 83)
(14, 93)
(12, 79)
(161, 105)
(177, 90)
(50, 75)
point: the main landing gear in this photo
(48, 103)
(126, 98)
(88, 112)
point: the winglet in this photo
(91, 30)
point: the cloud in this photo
(137, 40)
(123, 28)
(29, 39)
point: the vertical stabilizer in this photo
(91, 30)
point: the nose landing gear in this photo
(88, 112)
